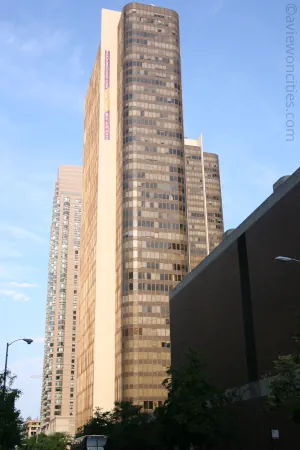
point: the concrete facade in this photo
(96, 312)
(60, 424)
(59, 373)
(32, 427)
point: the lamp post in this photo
(28, 341)
(286, 259)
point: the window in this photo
(148, 404)
(165, 344)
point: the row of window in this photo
(139, 33)
(150, 224)
(147, 287)
(159, 99)
(169, 69)
(166, 41)
(152, 115)
(166, 245)
(145, 99)
(155, 72)
(137, 155)
(146, 81)
(155, 276)
(149, 165)
(148, 12)
(151, 331)
(156, 195)
(143, 138)
(134, 174)
(153, 123)
(152, 205)
(157, 59)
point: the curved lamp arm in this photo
(29, 341)
(286, 259)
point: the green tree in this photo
(54, 441)
(194, 409)
(100, 423)
(11, 424)
(285, 385)
(128, 427)
(132, 427)
(126, 413)
(192, 414)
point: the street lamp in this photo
(28, 341)
(286, 259)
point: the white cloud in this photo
(19, 232)
(35, 39)
(43, 63)
(23, 285)
(10, 271)
(14, 295)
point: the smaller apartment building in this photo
(32, 427)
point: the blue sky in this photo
(233, 66)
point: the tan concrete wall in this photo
(86, 304)
(96, 324)
(104, 357)
(62, 425)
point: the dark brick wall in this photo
(251, 425)
(240, 313)
(275, 287)
(207, 315)
(212, 312)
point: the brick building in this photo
(238, 308)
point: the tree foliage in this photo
(54, 441)
(126, 425)
(192, 414)
(285, 385)
(11, 424)
(194, 410)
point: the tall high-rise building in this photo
(134, 246)
(151, 217)
(203, 201)
(96, 307)
(58, 390)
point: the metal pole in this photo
(5, 369)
